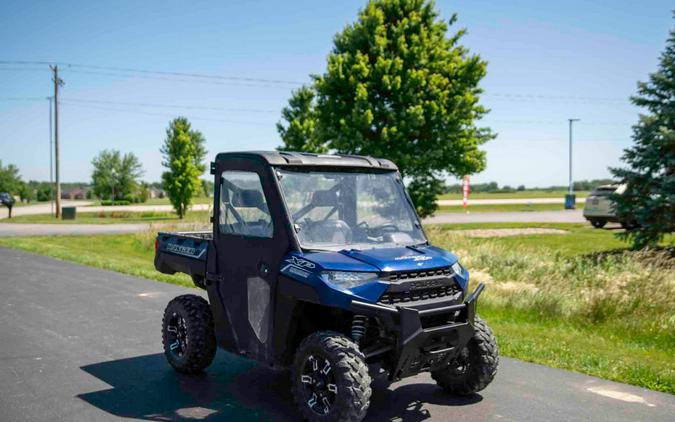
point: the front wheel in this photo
(474, 367)
(187, 334)
(598, 223)
(330, 379)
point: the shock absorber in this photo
(359, 327)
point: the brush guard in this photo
(428, 336)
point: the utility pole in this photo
(57, 83)
(571, 182)
(51, 168)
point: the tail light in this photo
(156, 245)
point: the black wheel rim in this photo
(461, 364)
(176, 335)
(318, 384)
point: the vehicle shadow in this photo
(234, 389)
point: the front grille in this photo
(413, 295)
(409, 275)
(413, 286)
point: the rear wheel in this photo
(629, 225)
(187, 334)
(598, 223)
(474, 367)
(330, 379)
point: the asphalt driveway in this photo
(83, 344)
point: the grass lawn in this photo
(528, 194)
(114, 217)
(577, 300)
(161, 201)
(499, 208)
(165, 201)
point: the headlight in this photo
(458, 269)
(349, 279)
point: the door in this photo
(250, 245)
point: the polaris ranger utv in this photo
(319, 264)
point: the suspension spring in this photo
(359, 323)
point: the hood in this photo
(384, 260)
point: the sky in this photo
(547, 62)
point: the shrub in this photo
(108, 202)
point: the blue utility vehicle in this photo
(319, 264)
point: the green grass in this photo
(132, 253)
(114, 217)
(528, 194)
(160, 201)
(499, 208)
(579, 301)
(600, 350)
(581, 238)
(165, 201)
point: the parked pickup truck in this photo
(319, 264)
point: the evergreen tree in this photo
(648, 202)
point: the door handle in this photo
(263, 268)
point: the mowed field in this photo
(567, 296)
(528, 194)
(130, 216)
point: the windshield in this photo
(347, 210)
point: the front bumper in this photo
(421, 344)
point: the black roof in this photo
(295, 159)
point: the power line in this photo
(157, 72)
(174, 106)
(573, 98)
(81, 103)
(136, 104)
(175, 79)
(22, 99)
(267, 83)
(488, 120)
(146, 113)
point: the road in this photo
(562, 216)
(84, 206)
(561, 201)
(41, 208)
(17, 229)
(82, 344)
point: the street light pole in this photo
(571, 189)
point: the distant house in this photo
(156, 193)
(74, 193)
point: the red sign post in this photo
(466, 188)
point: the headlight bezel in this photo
(458, 269)
(349, 279)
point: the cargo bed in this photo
(183, 252)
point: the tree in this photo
(183, 152)
(114, 172)
(10, 180)
(26, 193)
(300, 130)
(397, 87)
(207, 188)
(649, 198)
